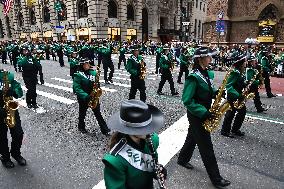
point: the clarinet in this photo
(157, 170)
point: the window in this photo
(199, 28)
(196, 4)
(9, 33)
(200, 6)
(20, 19)
(130, 12)
(204, 7)
(32, 16)
(46, 14)
(195, 27)
(112, 9)
(82, 9)
(1, 29)
(63, 14)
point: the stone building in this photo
(91, 19)
(261, 19)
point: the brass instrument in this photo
(246, 93)
(9, 104)
(143, 70)
(157, 167)
(218, 108)
(96, 91)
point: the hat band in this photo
(141, 124)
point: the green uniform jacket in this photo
(133, 65)
(197, 96)
(73, 62)
(183, 59)
(159, 50)
(235, 85)
(265, 64)
(250, 73)
(122, 51)
(120, 174)
(165, 61)
(83, 84)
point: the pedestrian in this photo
(126, 164)
(197, 97)
(14, 90)
(83, 84)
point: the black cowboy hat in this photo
(136, 118)
(204, 52)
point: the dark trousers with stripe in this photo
(137, 84)
(267, 83)
(197, 135)
(166, 76)
(30, 83)
(183, 69)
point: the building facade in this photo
(261, 19)
(91, 19)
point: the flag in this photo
(7, 6)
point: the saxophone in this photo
(246, 93)
(96, 92)
(157, 166)
(218, 108)
(9, 104)
(143, 70)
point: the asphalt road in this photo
(59, 156)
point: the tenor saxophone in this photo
(247, 94)
(9, 104)
(96, 92)
(218, 108)
(143, 70)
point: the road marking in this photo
(53, 96)
(62, 80)
(117, 84)
(167, 148)
(264, 119)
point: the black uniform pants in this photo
(197, 135)
(158, 57)
(99, 59)
(257, 102)
(17, 137)
(83, 106)
(137, 84)
(61, 60)
(183, 69)
(267, 83)
(30, 83)
(106, 66)
(4, 57)
(239, 119)
(166, 76)
(14, 61)
(121, 59)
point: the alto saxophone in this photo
(247, 94)
(218, 108)
(157, 167)
(96, 91)
(9, 104)
(143, 70)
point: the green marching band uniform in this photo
(133, 66)
(184, 64)
(159, 51)
(197, 97)
(106, 52)
(73, 62)
(235, 84)
(83, 83)
(131, 163)
(16, 132)
(122, 58)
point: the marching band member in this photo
(166, 63)
(73, 62)
(126, 164)
(82, 85)
(235, 85)
(133, 66)
(184, 64)
(16, 132)
(197, 98)
(106, 52)
(122, 52)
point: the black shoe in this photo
(110, 80)
(185, 165)
(260, 110)
(105, 130)
(160, 93)
(238, 133)
(221, 183)
(227, 134)
(175, 93)
(35, 106)
(107, 82)
(7, 163)
(82, 130)
(30, 106)
(271, 95)
(21, 161)
(179, 82)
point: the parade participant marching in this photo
(122, 52)
(132, 146)
(4, 53)
(184, 64)
(60, 54)
(107, 62)
(10, 88)
(159, 51)
(266, 66)
(166, 68)
(83, 84)
(137, 69)
(31, 66)
(197, 98)
(73, 62)
(235, 85)
(250, 73)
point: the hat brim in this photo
(155, 125)
(213, 53)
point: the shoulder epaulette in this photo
(118, 147)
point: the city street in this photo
(59, 156)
